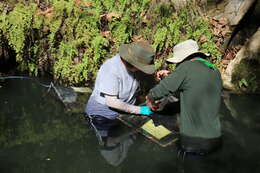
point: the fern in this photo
(160, 38)
(16, 25)
(71, 33)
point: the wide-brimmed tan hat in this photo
(183, 50)
(139, 54)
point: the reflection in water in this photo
(114, 140)
(38, 135)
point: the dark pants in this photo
(102, 123)
(102, 126)
(199, 146)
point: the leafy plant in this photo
(71, 39)
(242, 83)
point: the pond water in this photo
(38, 135)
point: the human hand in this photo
(161, 74)
(153, 105)
(145, 110)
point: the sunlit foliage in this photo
(72, 38)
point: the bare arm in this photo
(114, 102)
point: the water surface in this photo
(37, 134)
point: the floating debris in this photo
(82, 89)
(66, 95)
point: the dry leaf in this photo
(225, 31)
(47, 11)
(223, 21)
(45, 29)
(137, 38)
(76, 60)
(225, 62)
(214, 22)
(49, 15)
(203, 39)
(102, 15)
(38, 12)
(109, 16)
(87, 4)
(143, 13)
(216, 31)
(231, 52)
(229, 55)
(77, 2)
(218, 43)
(106, 33)
(145, 19)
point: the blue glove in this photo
(145, 110)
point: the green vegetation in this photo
(71, 38)
(244, 80)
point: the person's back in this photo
(200, 100)
(199, 85)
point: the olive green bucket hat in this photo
(139, 54)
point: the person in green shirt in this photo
(198, 85)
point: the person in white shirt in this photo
(116, 84)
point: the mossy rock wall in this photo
(247, 80)
(243, 72)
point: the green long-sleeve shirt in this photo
(200, 88)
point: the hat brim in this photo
(148, 69)
(176, 59)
